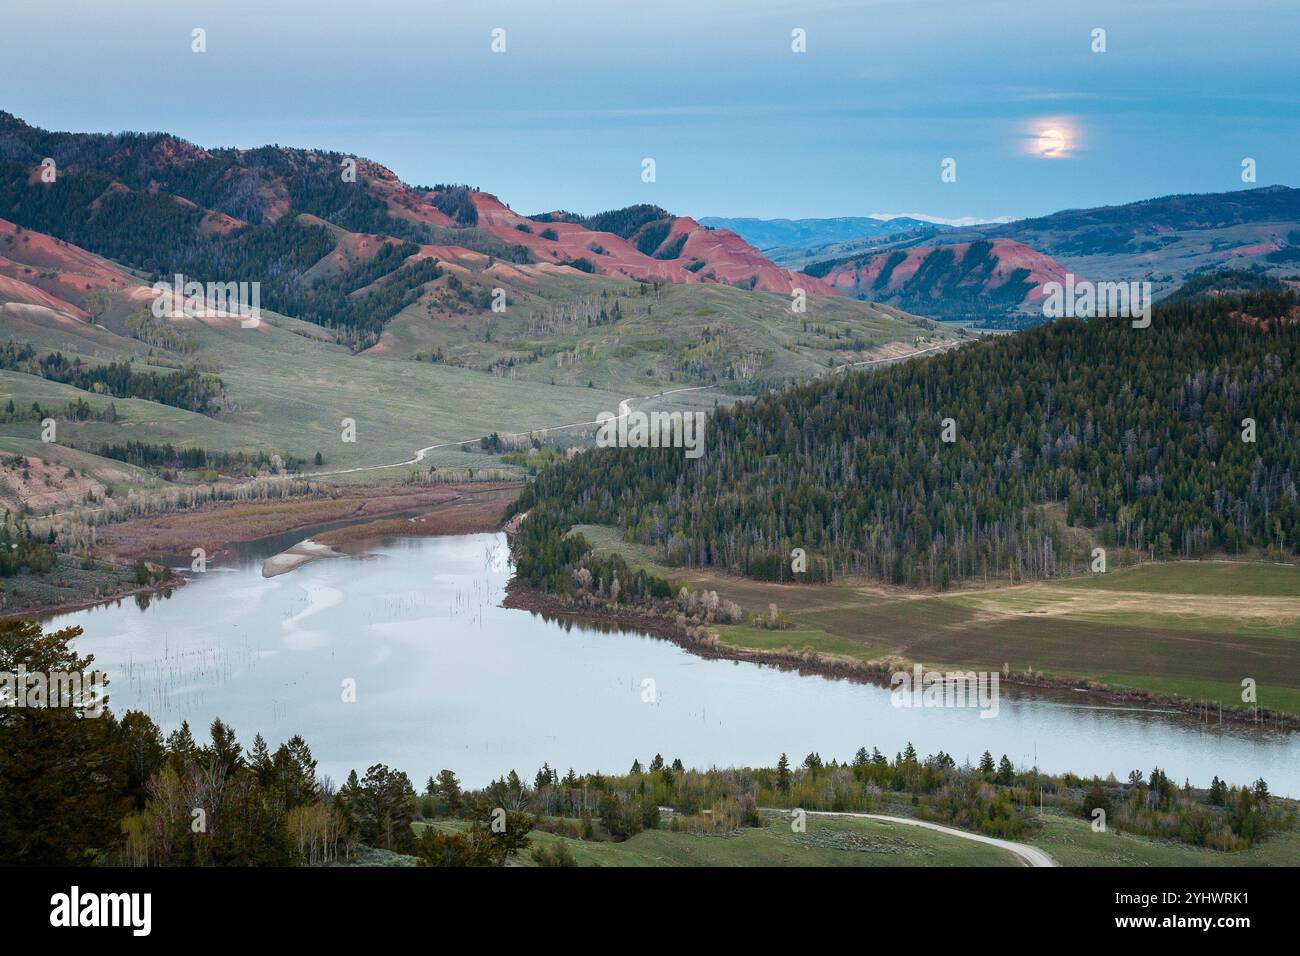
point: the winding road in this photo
(1031, 855)
(624, 409)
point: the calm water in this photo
(446, 678)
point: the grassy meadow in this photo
(538, 365)
(1071, 841)
(841, 841)
(551, 332)
(849, 841)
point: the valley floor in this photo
(1159, 632)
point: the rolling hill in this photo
(297, 221)
(377, 305)
(1167, 240)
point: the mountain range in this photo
(929, 270)
(431, 315)
(342, 242)
(783, 234)
(316, 227)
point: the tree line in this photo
(189, 388)
(82, 790)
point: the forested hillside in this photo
(1133, 436)
(303, 224)
(165, 206)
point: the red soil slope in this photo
(859, 275)
(41, 270)
(727, 258)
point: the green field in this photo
(289, 386)
(846, 841)
(799, 639)
(1193, 629)
(827, 842)
(1072, 842)
(1234, 578)
(290, 394)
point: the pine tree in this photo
(62, 776)
(259, 760)
(224, 751)
(142, 746)
(1006, 772)
(181, 748)
(448, 789)
(783, 774)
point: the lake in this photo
(444, 677)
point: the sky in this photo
(738, 124)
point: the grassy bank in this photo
(1191, 629)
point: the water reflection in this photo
(445, 677)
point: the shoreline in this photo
(221, 528)
(45, 612)
(463, 508)
(460, 510)
(523, 596)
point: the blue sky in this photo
(738, 124)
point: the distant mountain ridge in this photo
(779, 233)
(1105, 229)
(1167, 241)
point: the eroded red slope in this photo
(862, 275)
(707, 255)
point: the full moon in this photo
(1051, 142)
